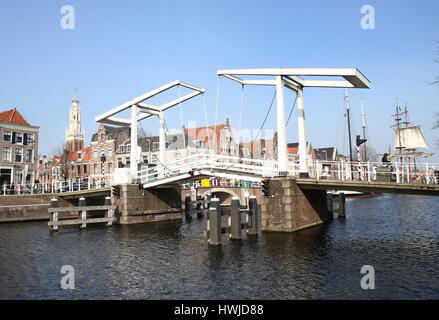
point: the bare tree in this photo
(62, 164)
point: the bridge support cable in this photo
(203, 100)
(266, 116)
(291, 111)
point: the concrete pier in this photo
(290, 209)
(136, 205)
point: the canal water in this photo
(396, 234)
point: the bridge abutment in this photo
(137, 205)
(291, 209)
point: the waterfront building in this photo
(103, 146)
(19, 145)
(178, 147)
(218, 138)
(74, 133)
(78, 163)
(327, 154)
(262, 149)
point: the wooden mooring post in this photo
(82, 219)
(198, 207)
(215, 230)
(340, 199)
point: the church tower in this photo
(75, 134)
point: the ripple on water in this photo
(395, 234)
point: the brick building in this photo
(103, 147)
(19, 146)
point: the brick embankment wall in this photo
(27, 208)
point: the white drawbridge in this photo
(212, 165)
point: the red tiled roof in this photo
(204, 133)
(13, 116)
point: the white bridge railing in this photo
(424, 173)
(54, 187)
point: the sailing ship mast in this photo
(408, 137)
(346, 98)
(363, 125)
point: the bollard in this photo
(341, 205)
(235, 219)
(83, 213)
(187, 207)
(214, 223)
(199, 204)
(54, 215)
(208, 200)
(253, 217)
(110, 212)
(330, 203)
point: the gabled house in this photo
(19, 146)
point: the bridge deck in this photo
(373, 186)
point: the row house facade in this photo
(19, 146)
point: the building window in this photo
(28, 155)
(95, 154)
(154, 159)
(18, 137)
(119, 163)
(6, 154)
(7, 136)
(85, 168)
(177, 156)
(155, 146)
(18, 176)
(18, 154)
(110, 168)
(29, 138)
(79, 170)
(110, 152)
(95, 168)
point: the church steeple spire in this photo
(75, 134)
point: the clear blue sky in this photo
(121, 49)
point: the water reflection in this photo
(171, 260)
